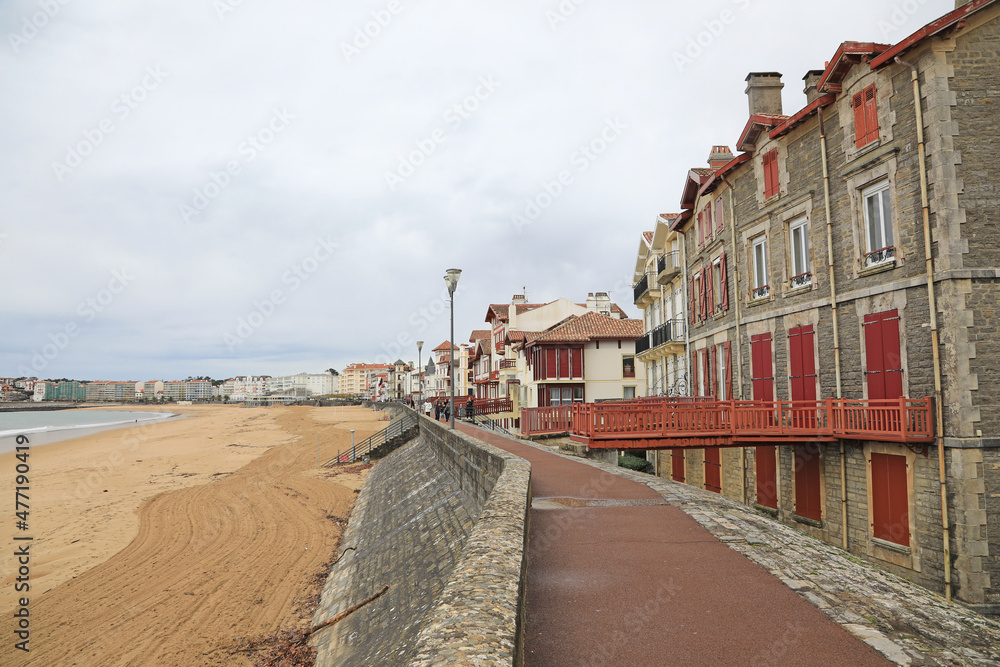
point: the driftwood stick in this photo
(344, 614)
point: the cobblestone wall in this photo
(442, 522)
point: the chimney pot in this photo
(764, 92)
(719, 156)
(812, 78)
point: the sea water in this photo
(47, 426)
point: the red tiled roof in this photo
(444, 346)
(500, 310)
(847, 56)
(590, 326)
(367, 366)
(648, 236)
(525, 307)
(479, 334)
(758, 123)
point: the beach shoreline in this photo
(156, 503)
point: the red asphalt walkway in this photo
(636, 583)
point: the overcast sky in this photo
(229, 187)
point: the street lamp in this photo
(420, 378)
(451, 280)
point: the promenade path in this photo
(617, 576)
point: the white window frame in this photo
(760, 279)
(801, 269)
(721, 373)
(625, 390)
(877, 233)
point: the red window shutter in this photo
(702, 313)
(871, 114)
(708, 221)
(767, 477)
(860, 130)
(882, 355)
(802, 363)
(693, 310)
(577, 363)
(713, 469)
(694, 373)
(718, 213)
(701, 230)
(727, 353)
(890, 505)
(775, 182)
(770, 164)
(709, 289)
(766, 165)
(795, 363)
(550, 364)
(677, 464)
(763, 381)
(723, 283)
(808, 503)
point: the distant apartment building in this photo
(111, 391)
(71, 390)
(440, 382)
(304, 384)
(149, 391)
(357, 379)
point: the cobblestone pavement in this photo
(906, 623)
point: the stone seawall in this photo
(442, 522)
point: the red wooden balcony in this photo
(508, 363)
(492, 406)
(545, 421)
(682, 423)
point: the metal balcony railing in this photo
(641, 288)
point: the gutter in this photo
(737, 297)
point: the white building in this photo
(305, 384)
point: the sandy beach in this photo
(164, 544)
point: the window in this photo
(884, 370)
(695, 284)
(715, 287)
(707, 213)
(890, 506)
(699, 283)
(725, 377)
(709, 282)
(761, 290)
(770, 163)
(628, 392)
(718, 213)
(628, 367)
(798, 233)
(802, 364)
(878, 225)
(865, 117)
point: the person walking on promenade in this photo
(427, 408)
(470, 409)
(437, 411)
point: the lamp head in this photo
(451, 279)
(420, 345)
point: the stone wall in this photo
(442, 522)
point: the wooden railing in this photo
(738, 422)
(542, 421)
(491, 406)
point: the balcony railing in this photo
(668, 266)
(669, 331)
(641, 288)
(492, 406)
(541, 421)
(642, 343)
(669, 422)
(761, 292)
(801, 280)
(880, 256)
(508, 363)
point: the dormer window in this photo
(770, 164)
(866, 128)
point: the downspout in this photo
(932, 302)
(836, 322)
(687, 315)
(737, 297)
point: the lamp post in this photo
(420, 378)
(451, 280)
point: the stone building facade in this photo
(806, 277)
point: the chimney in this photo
(812, 78)
(591, 302)
(764, 92)
(719, 156)
(603, 302)
(518, 298)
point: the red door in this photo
(884, 361)
(677, 464)
(767, 476)
(807, 482)
(890, 506)
(761, 377)
(713, 469)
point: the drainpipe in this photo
(836, 322)
(687, 315)
(737, 297)
(929, 263)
